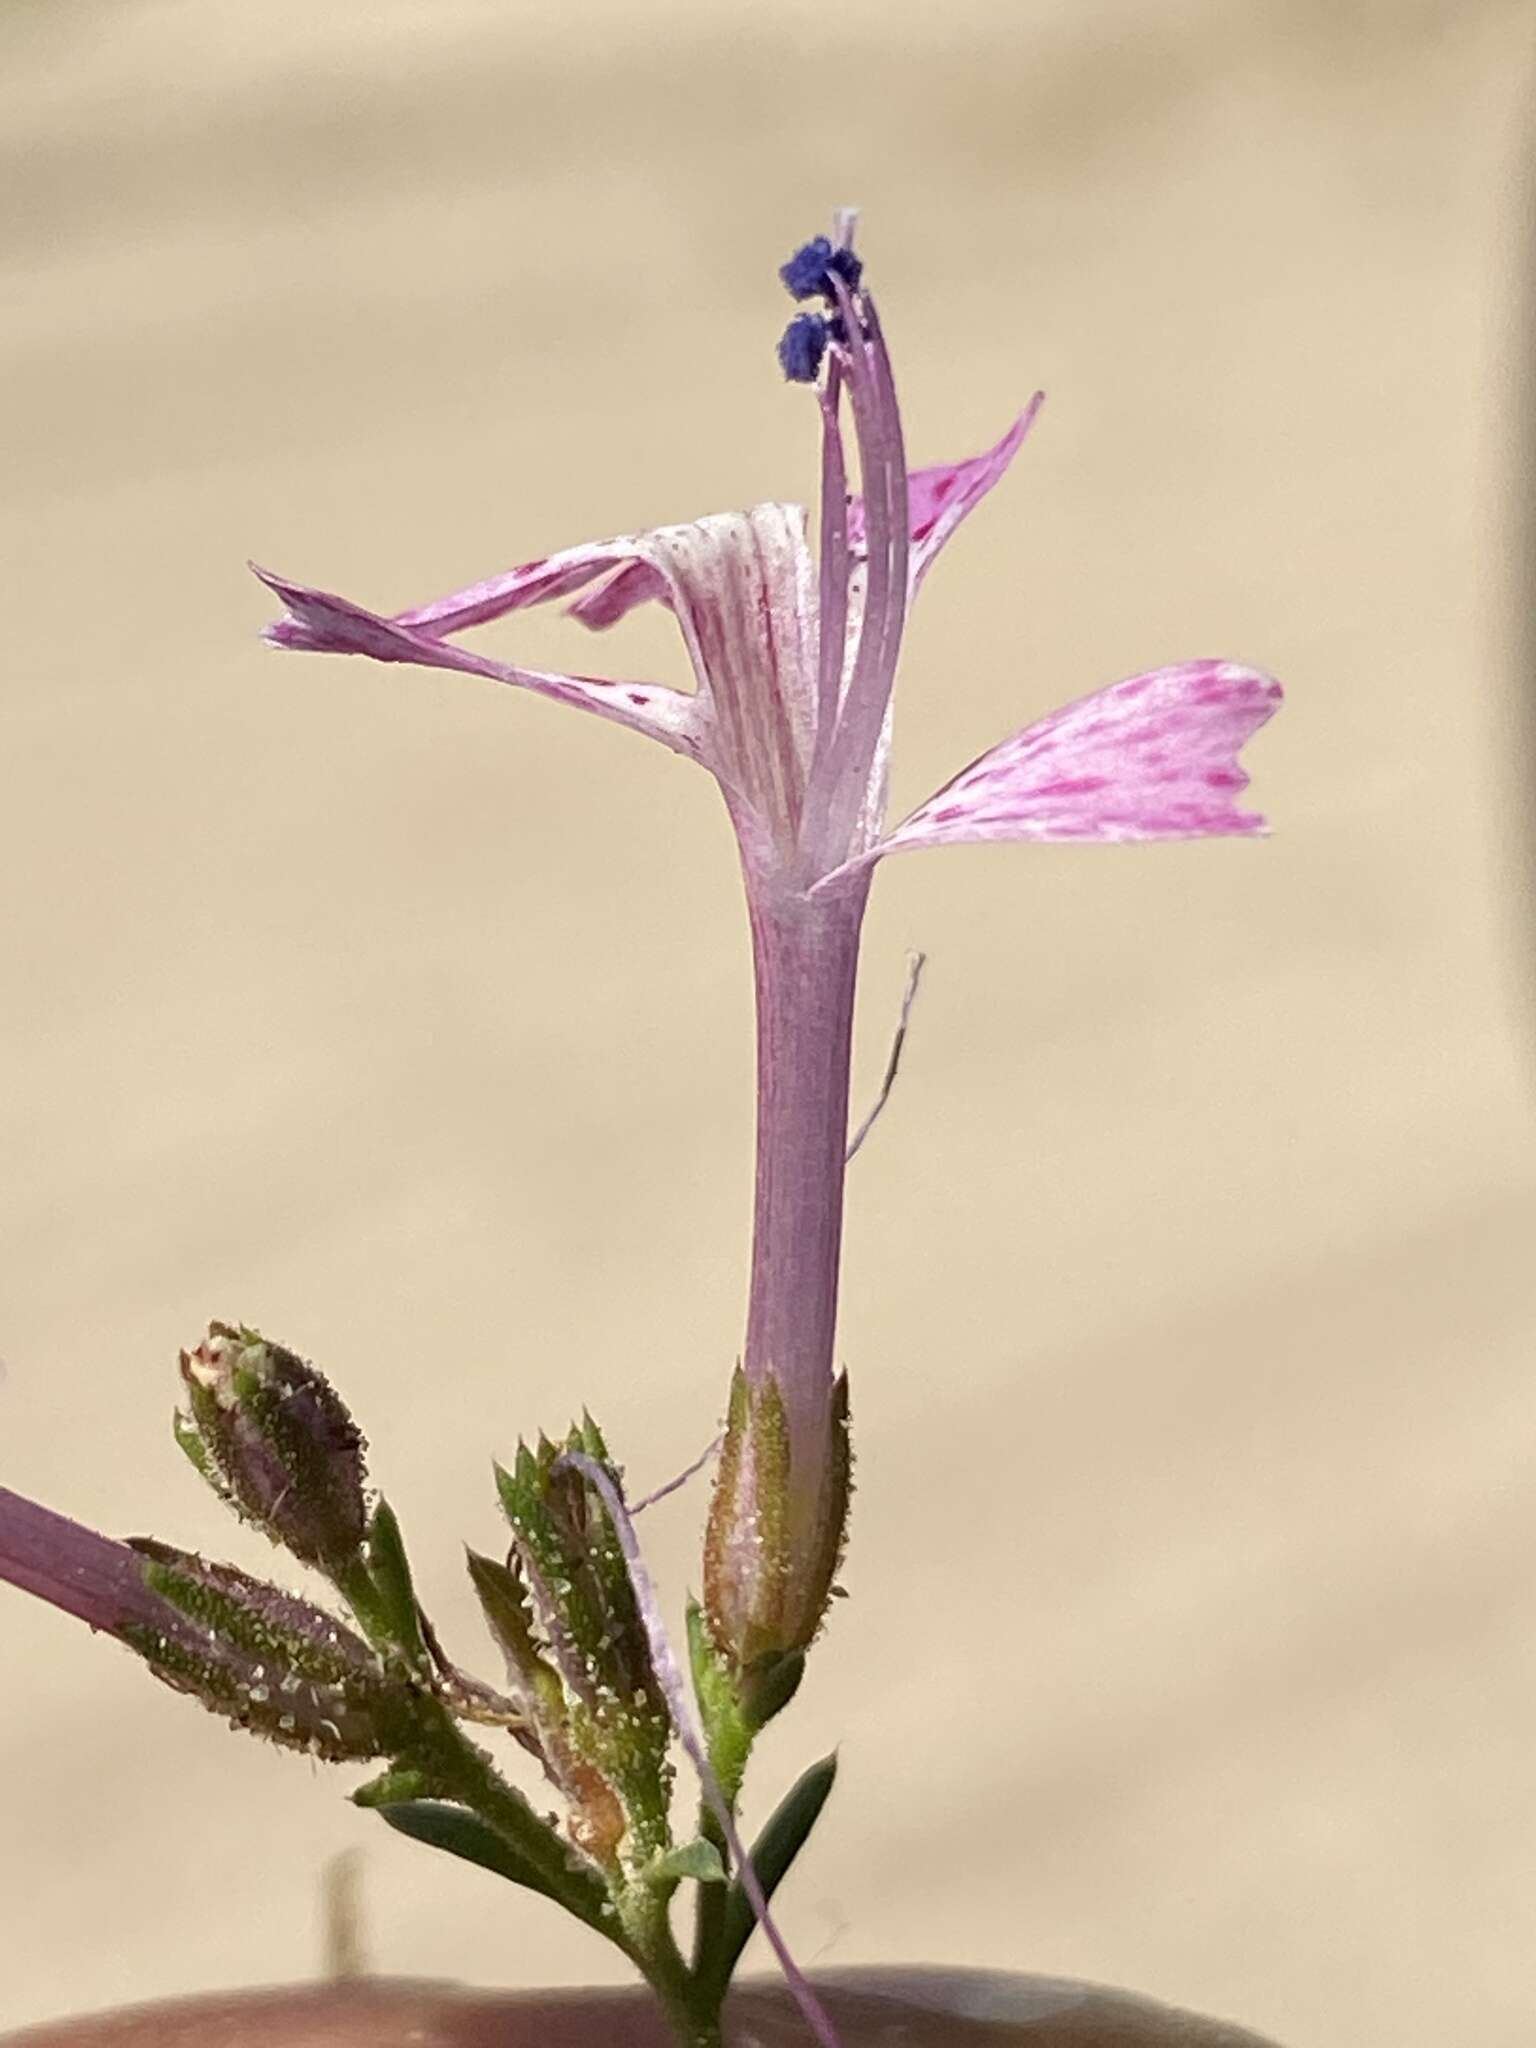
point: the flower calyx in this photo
(271, 1435)
(270, 1662)
(563, 1610)
(774, 1543)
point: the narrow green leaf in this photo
(442, 1825)
(772, 1854)
(391, 1573)
(504, 1601)
(462, 1833)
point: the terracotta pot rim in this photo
(982, 2005)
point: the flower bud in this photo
(774, 1544)
(270, 1662)
(579, 1660)
(271, 1434)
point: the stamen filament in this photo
(837, 789)
(833, 609)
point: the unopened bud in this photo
(270, 1433)
(565, 1614)
(578, 1590)
(270, 1662)
(774, 1543)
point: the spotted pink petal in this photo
(940, 497)
(636, 584)
(623, 578)
(320, 622)
(1154, 757)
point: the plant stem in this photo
(636, 1920)
(709, 1910)
(691, 2006)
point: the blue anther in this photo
(805, 274)
(809, 272)
(848, 267)
(802, 346)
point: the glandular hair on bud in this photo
(271, 1433)
(564, 1611)
(268, 1661)
(775, 1536)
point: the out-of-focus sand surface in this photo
(1189, 1298)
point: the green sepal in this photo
(768, 1686)
(601, 1553)
(540, 1504)
(390, 1570)
(462, 1833)
(697, 1859)
(747, 1561)
(189, 1439)
(773, 1852)
(834, 1515)
(247, 1616)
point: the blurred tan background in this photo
(1189, 1294)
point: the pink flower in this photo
(794, 651)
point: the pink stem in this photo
(89, 1576)
(805, 956)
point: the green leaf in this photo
(390, 1571)
(772, 1854)
(462, 1833)
(442, 1825)
(697, 1859)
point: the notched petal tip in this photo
(1153, 757)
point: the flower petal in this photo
(320, 622)
(941, 496)
(541, 582)
(743, 587)
(636, 584)
(1154, 757)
